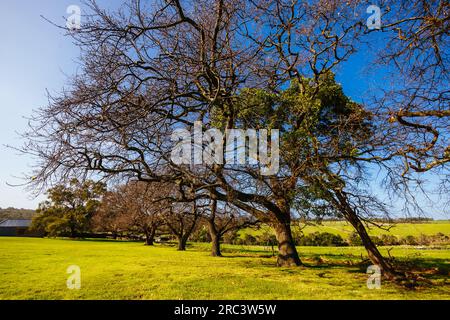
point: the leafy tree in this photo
(69, 208)
(325, 139)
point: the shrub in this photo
(324, 239)
(389, 240)
(383, 240)
(354, 239)
(377, 240)
(249, 240)
(231, 237)
(411, 240)
(201, 235)
(267, 239)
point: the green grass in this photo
(36, 269)
(344, 229)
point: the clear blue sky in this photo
(36, 56)
(33, 56)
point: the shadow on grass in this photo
(103, 240)
(427, 269)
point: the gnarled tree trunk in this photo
(287, 253)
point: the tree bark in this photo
(215, 238)
(182, 243)
(374, 254)
(372, 251)
(287, 253)
(150, 236)
(215, 246)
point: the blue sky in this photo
(34, 54)
(35, 57)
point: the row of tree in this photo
(151, 68)
(87, 209)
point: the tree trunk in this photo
(287, 253)
(182, 243)
(215, 239)
(372, 251)
(150, 236)
(215, 246)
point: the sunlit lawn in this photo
(36, 269)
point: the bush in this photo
(267, 239)
(441, 238)
(231, 237)
(389, 240)
(324, 239)
(377, 240)
(411, 241)
(354, 239)
(201, 235)
(249, 240)
(424, 240)
(383, 240)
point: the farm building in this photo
(16, 228)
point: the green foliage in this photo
(410, 240)
(248, 240)
(440, 230)
(266, 239)
(354, 239)
(323, 239)
(319, 125)
(200, 235)
(69, 208)
(231, 237)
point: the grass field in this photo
(36, 269)
(344, 229)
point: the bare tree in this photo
(133, 207)
(221, 218)
(109, 216)
(182, 219)
(417, 50)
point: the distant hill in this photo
(14, 213)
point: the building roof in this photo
(23, 223)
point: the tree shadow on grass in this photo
(103, 240)
(425, 270)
